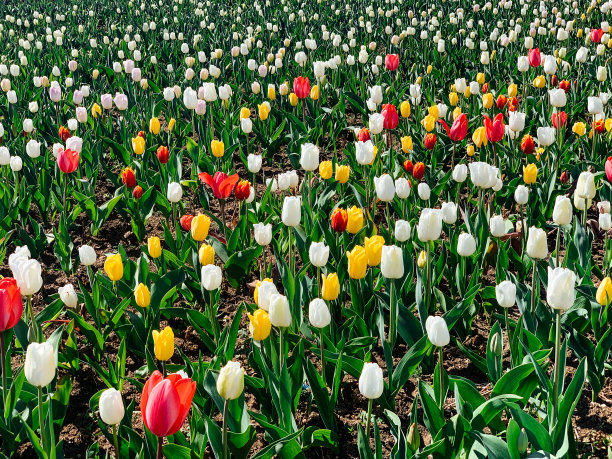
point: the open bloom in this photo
(221, 184)
(390, 116)
(391, 62)
(301, 87)
(165, 403)
(494, 129)
(535, 59)
(68, 160)
(458, 130)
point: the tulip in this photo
(357, 262)
(521, 195)
(530, 174)
(516, 121)
(280, 313)
(259, 325)
(466, 245)
(407, 145)
(497, 226)
(142, 296)
(579, 128)
(505, 294)
(68, 296)
(221, 184)
(185, 221)
(562, 212)
(11, 307)
(175, 192)
(534, 57)
(594, 105)
(537, 247)
(604, 292)
(342, 173)
(318, 254)
(211, 277)
(402, 188)
(392, 62)
(230, 383)
(429, 122)
(154, 126)
(437, 331)
(326, 169)
(405, 109)
(163, 343)
(479, 137)
(40, 364)
(376, 123)
(385, 187)
(199, 227)
(364, 152)
(128, 177)
(339, 220)
(373, 249)
(494, 129)
(449, 212)
(318, 313)
(371, 383)
(605, 222)
(301, 87)
(206, 254)
(355, 220)
(487, 100)
(165, 403)
(111, 406)
(217, 147)
(87, 255)
(138, 145)
(390, 116)
(309, 159)
(402, 230)
(68, 160)
(430, 225)
(546, 136)
(418, 171)
(262, 233)
(263, 293)
(459, 174)
(291, 213)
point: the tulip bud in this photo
(318, 313)
(142, 295)
(414, 439)
(211, 277)
(560, 289)
(230, 383)
(163, 343)
(113, 266)
(111, 406)
(68, 296)
(280, 313)
(39, 367)
(437, 331)
(371, 383)
(522, 441)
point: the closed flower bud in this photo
(175, 192)
(331, 286)
(206, 254)
(371, 383)
(111, 406)
(199, 227)
(40, 365)
(357, 262)
(437, 331)
(154, 247)
(318, 253)
(318, 313)
(505, 294)
(87, 255)
(211, 277)
(560, 293)
(259, 325)
(163, 343)
(466, 245)
(113, 266)
(537, 245)
(142, 295)
(154, 126)
(392, 262)
(279, 312)
(230, 383)
(497, 344)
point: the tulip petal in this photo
(206, 178)
(185, 388)
(162, 409)
(155, 378)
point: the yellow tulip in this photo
(154, 126)
(422, 260)
(453, 98)
(259, 325)
(429, 123)
(539, 81)
(138, 145)
(163, 343)
(487, 100)
(142, 295)
(342, 173)
(480, 78)
(418, 81)
(493, 54)
(429, 69)
(113, 266)
(470, 150)
(154, 247)
(608, 124)
(218, 148)
(579, 128)
(355, 220)
(245, 113)
(434, 111)
(331, 287)
(357, 262)
(293, 99)
(171, 124)
(271, 92)
(373, 248)
(199, 227)
(326, 169)
(579, 33)
(407, 145)
(206, 254)
(96, 110)
(95, 74)
(480, 137)
(314, 92)
(456, 112)
(530, 174)
(405, 109)
(467, 93)
(512, 90)
(256, 292)
(264, 111)
(604, 292)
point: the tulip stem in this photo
(369, 417)
(282, 349)
(41, 420)
(392, 313)
(116, 441)
(319, 282)
(3, 363)
(213, 317)
(160, 444)
(558, 246)
(534, 282)
(225, 409)
(557, 376)
(428, 284)
(322, 357)
(441, 381)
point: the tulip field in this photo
(363, 229)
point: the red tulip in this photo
(559, 116)
(390, 114)
(501, 101)
(392, 62)
(494, 129)
(11, 306)
(68, 160)
(243, 190)
(534, 57)
(363, 135)
(408, 166)
(609, 168)
(565, 177)
(141, 134)
(554, 81)
(221, 184)
(163, 154)
(138, 191)
(513, 104)
(418, 172)
(64, 133)
(565, 85)
(458, 130)
(485, 88)
(339, 220)
(599, 126)
(165, 403)
(301, 87)
(596, 35)
(128, 177)
(527, 145)
(430, 141)
(186, 222)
